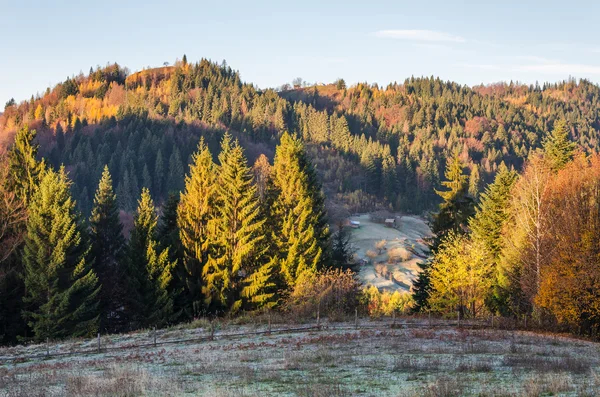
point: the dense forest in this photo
(527, 249)
(145, 199)
(372, 146)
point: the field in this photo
(407, 240)
(412, 359)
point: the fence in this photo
(153, 342)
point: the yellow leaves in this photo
(39, 112)
(386, 303)
(461, 276)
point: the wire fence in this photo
(152, 340)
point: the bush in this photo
(399, 254)
(334, 292)
(385, 303)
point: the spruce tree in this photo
(24, 168)
(300, 230)
(474, 182)
(342, 255)
(168, 238)
(558, 149)
(236, 273)
(194, 218)
(13, 215)
(61, 285)
(149, 271)
(108, 251)
(490, 217)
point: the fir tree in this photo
(149, 271)
(300, 231)
(342, 255)
(558, 149)
(108, 251)
(235, 272)
(487, 223)
(196, 209)
(24, 168)
(168, 238)
(61, 285)
(474, 182)
(175, 176)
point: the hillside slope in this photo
(373, 146)
(414, 359)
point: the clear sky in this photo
(271, 42)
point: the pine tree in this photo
(168, 238)
(558, 149)
(149, 271)
(194, 215)
(61, 285)
(175, 176)
(490, 217)
(342, 256)
(13, 215)
(474, 182)
(108, 251)
(300, 231)
(234, 273)
(457, 205)
(24, 168)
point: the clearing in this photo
(415, 358)
(405, 244)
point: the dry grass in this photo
(381, 361)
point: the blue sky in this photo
(271, 42)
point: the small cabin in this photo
(354, 224)
(389, 222)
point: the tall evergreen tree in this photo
(25, 169)
(149, 270)
(108, 251)
(486, 225)
(474, 182)
(342, 255)
(239, 254)
(168, 238)
(300, 230)
(13, 215)
(175, 177)
(194, 215)
(61, 285)
(558, 149)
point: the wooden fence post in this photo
(356, 317)
(154, 335)
(98, 342)
(394, 319)
(269, 322)
(319, 314)
(47, 346)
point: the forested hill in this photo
(371, 145)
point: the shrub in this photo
(385, 303)
(334, 292)
(399, 254)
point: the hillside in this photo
(373, 147)
(415, 358)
